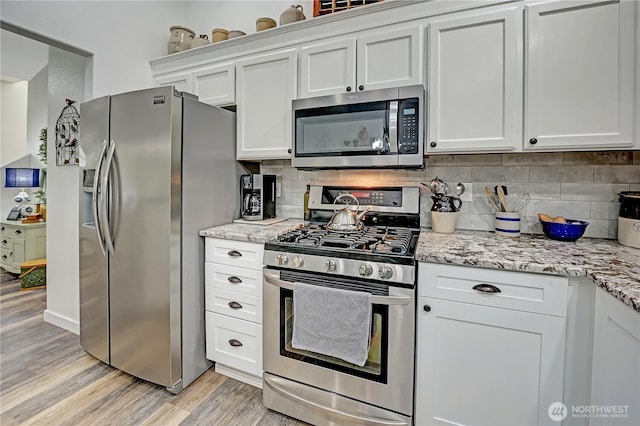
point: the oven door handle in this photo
(273, 278)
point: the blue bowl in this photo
(570, 231)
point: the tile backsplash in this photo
(576, 185)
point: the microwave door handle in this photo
(393, 127)
(273, 277)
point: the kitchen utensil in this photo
(445, 203)
(345, 219)
(438, 186)
(570, 231)
(460, 188)
(503, 200)
(491, 199)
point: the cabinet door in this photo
(216, 85)
(181, 81)
(615, 381)
(389, 59)
(475, 83)
(328, 68)
(483, 365)
(579, 71)
(266, 85)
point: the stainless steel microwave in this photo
(377, 128)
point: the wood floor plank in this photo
(199, 390)
(168, 415)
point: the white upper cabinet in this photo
(377, 60)
(181, 81)
(475, 82)
(265, 87)
(216, 85)
(579, 72)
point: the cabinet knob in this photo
(234, 342)
(533, 141)
(433, 144)
(426, 308)
(4, 241)
(348, 88)
(234, 280)
(289, 150)
(18, 232)
(361, 87)
(2, 228)
(235, 305)
(487, 288)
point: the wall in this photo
(66, 73)
(203, 17)
(37, 104)
(577, 185)
(13, 125)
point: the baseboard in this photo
(234, 373)
(62, 321)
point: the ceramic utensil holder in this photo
(444, 222)
(508, 224)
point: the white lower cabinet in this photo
(615, 380)
(233, 308)
(490, 355)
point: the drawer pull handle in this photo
(234, 342)
(4, 241)
(235, 305)
(487, 289)
(234, 253)
(4, 257)
(18, 232)
(234, 280)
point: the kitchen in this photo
(569, 183)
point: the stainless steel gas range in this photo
(374, 256)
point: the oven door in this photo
(386, 379)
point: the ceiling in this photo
(21, 58)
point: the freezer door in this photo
(145, 225)
(94, 288)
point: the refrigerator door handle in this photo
(103, 206)
(96, 196)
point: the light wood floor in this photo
(46, 378)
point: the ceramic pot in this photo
(219, 34)
(236, 33)
(264, 24)
(292, 14)
(180, 39)
(203, 40)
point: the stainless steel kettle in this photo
(345, 219)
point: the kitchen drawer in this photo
(537, 293)
(236, 253)
(12, 231)
(222, 331)
(233, 278)
(237, 305)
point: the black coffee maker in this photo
(258, 196)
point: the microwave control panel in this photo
(408, 136)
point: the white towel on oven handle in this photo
(332, 322)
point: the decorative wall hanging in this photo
(67, 139)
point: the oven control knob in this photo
(365, 270)
(385, 272)
(329, 265)
(297, 261)
(282, 259)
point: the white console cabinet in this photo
(493, 357)
(21, 242)
(233, 308)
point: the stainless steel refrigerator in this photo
(157, 166)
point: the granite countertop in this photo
(250, 232)
(612, 266)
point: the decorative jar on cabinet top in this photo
(292, 14)
(180, 39)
